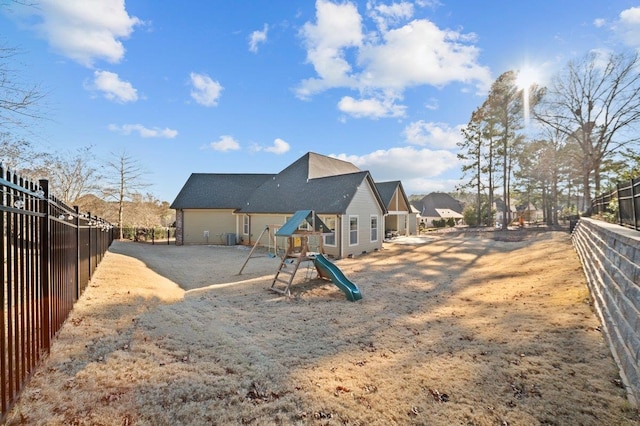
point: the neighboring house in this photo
(530, 213)
(500, 208)
(437, 206)
(400, 219)
(219, 208)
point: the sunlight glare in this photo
(527, 76)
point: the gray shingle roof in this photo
(291, 191)
(217, 191)
(438, 200)
(313, 182)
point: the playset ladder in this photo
(284, 276)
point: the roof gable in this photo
(330, 192)
(390, 189)
(320, 166)
(289, 192)
(217, 191)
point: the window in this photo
(374, 228)
(330, 240)
(245, 225)
(305, 226)
(353, 230)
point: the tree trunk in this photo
(586, 190)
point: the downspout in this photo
(339, 227)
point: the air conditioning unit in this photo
(231, 239)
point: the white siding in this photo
(363, 205)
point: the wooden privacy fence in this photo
(627, 195)
(49, 252)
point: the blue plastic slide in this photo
(326, 269)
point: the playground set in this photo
(296, 252)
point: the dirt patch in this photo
(452, 329)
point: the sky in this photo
(250, 86)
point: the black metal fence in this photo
(49, 252)
(153, 235)
(627, 195)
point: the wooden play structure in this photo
(298, 230)
(298, 252)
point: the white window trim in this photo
(245, 224)
(335, 240)
(377, 228)
(357, 218)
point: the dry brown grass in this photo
(461, 329)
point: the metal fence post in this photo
(44, 263)
(633, 204)
(77, 209)
(89, 243)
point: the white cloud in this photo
(599, 22)
(421, 170)
(225, 143)
(337, 27)
(279, 147)
(258, 37)
(144, 132)
(420, 53)
(436, 135)
(404, 163)
(113, 88)
(84, 31)
(383, 63)
(370, 108)
(205, 91)
(385, 15)
(628, 27)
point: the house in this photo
(499, 206)
(530, 213)
(400, 219)
(437, 206)
(228, 208)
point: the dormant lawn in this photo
(453, 329)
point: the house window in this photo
(330, 240)
(305, 226)
(374, 228)
(245, 225)
(353, 230)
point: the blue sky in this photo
(240, 86)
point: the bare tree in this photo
(20, 155)
(595, 102)
(73, 176)
(18, 101)
(125, 182)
